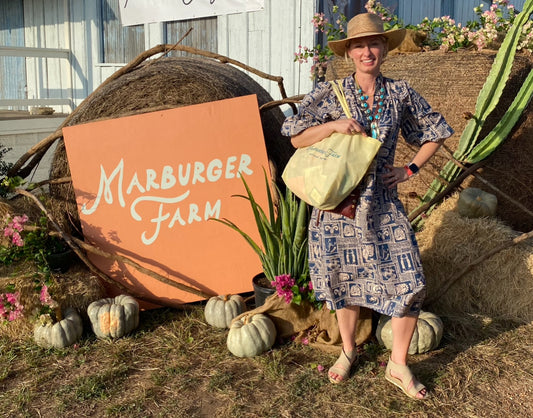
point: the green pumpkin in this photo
(220, 310)
(62, 334)
(251, 335)
(427, 335)
(476, 203)
(114, 318)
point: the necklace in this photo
(373, 118)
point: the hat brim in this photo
(394, 38)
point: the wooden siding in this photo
(267, 40)
(12, 69)
(414, 11)
(203, 35)
(46, 26)
(119, 44)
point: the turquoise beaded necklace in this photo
(374, 118)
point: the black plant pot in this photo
(60, 262)
(262, 289)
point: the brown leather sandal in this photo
(342, 366)
(406, 382)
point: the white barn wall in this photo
(267, 40)
(47, 26)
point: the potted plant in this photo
(34, 243)
(283, 251)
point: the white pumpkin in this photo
(114, 318)
(220, 310)
(251, 335)
(476, 203)
(427, 335)
(62, 334)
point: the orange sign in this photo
(146, 187)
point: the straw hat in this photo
(367, 24)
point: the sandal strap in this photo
(406, 380)
(344, 363)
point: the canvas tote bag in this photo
(324, 174)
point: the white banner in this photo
(136, 12)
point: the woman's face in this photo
(367, 54)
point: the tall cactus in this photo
(470, 149)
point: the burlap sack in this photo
(318, 326)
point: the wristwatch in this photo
(411, 169)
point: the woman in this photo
(372, 260)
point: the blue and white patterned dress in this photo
(373, 260)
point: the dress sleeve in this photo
(317, 107)
(420, 123)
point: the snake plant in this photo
(283, 233)
(471, 149)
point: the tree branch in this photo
(76, 244)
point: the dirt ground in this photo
(175, 364)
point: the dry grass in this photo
(175, 364)
(500, 286)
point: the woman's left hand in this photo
(394, 176)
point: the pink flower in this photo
(12, 298)
(320, 368)
(17, 239)
(283, 284)
(19, 221)
(45, 297)
(10, 307)
(8, 231)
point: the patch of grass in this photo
(177, 365)
(220, 380)
(100, 385)
(273, 365)
(306, 383)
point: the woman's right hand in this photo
(348, 126)
(317, 133)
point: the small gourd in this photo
(427, 335)
(220, 310)
(61, 334)
(114, 318)
(251, 335)
(476, 203)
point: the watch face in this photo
(413, 167)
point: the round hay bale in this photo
(501, 286)
(451, 83)
(168, 83)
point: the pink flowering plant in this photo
(390, 20)
(441, 32)
(10, 306)
(321, 54)
(293, 290)
(14, 229)
(50, 311)
(28, 242)
(492, 24)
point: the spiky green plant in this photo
(283, 233)
(471, 149)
